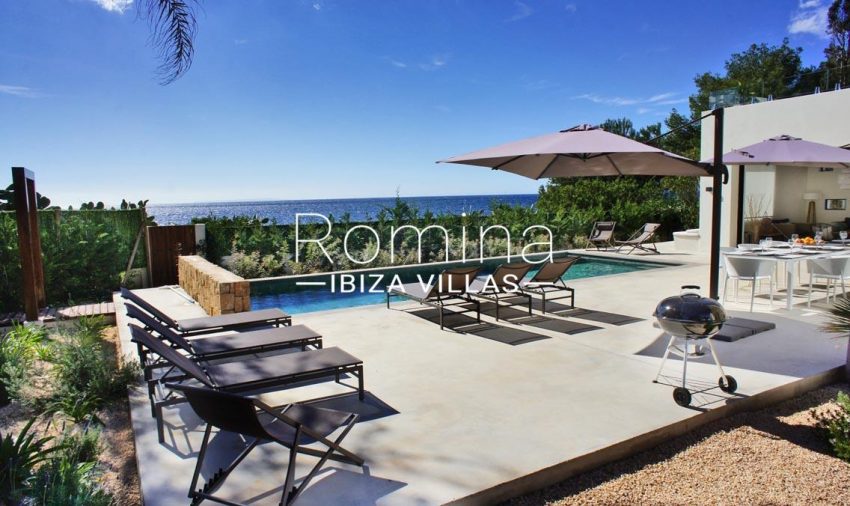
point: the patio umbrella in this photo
(582, 151)
(788, 150)
(585, 150)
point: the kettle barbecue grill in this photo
(690, 317)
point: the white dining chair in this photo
(834, 270)
(748, 269)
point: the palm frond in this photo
(172, 35)
(839, 317)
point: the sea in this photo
(360, 209)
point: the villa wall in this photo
(217, 290)
(819, 118)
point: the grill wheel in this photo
(682, 396)
(727, 384)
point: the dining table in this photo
(792, 256)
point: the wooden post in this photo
(35, 237)
(20, 179)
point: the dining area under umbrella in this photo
(787, 151)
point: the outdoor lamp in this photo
(811, 197)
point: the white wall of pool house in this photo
(822, 117)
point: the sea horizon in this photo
(359, 208)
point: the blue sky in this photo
(337, 98)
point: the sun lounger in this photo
(245, 374)
(549, 280)
(602, 235)
(451, 286)
(502, 285)
(232, 343)
(206, 324)
(643, 239)
(298, 427)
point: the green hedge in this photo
(84, 255)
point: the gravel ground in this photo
(772, 456)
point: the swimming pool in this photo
(294, 299)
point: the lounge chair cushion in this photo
(264, 338)
(320, 420)
(253, 370)
(232, 320)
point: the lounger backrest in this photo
(147, 306)
(553, 271)
(648, 231)
(602, 230)
(508, 276)
(454, 281)
(140, 336)
(153, 324)
(226, 411)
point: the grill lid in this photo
(691, 307)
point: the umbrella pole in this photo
(716, 204)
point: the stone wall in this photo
(217, 290)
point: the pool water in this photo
(285, 294)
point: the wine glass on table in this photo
(819, 238)
(843, 235)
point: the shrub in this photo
(19, 456)
(70, 477)
(836, 423)
(87, 376)
(252, 265)
(18, 350)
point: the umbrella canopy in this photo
(580, 152)
(788, 150)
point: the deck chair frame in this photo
(276, 319)
(499, 292)
(642, 239)
(179, 342)
(595, 241)
(333, 449)
(176, 374)
(544, 286)
(438, 299)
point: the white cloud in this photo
(396, 63)
(643, 110)
(19, 91)
(437, 61)
(119, 6)
(317, 6)
(597, 99)
(522, 12)
(667, 98)
(240, 42)
(809, 18)
(571, 7)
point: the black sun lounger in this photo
(549, 280)
(206, 324)
(246, 374)
(300, 428)
(235, 343)
(502, 286)
(451, 286)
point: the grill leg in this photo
(664, 359)
(714, 356)
(685, 365)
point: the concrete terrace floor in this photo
(453, 416)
